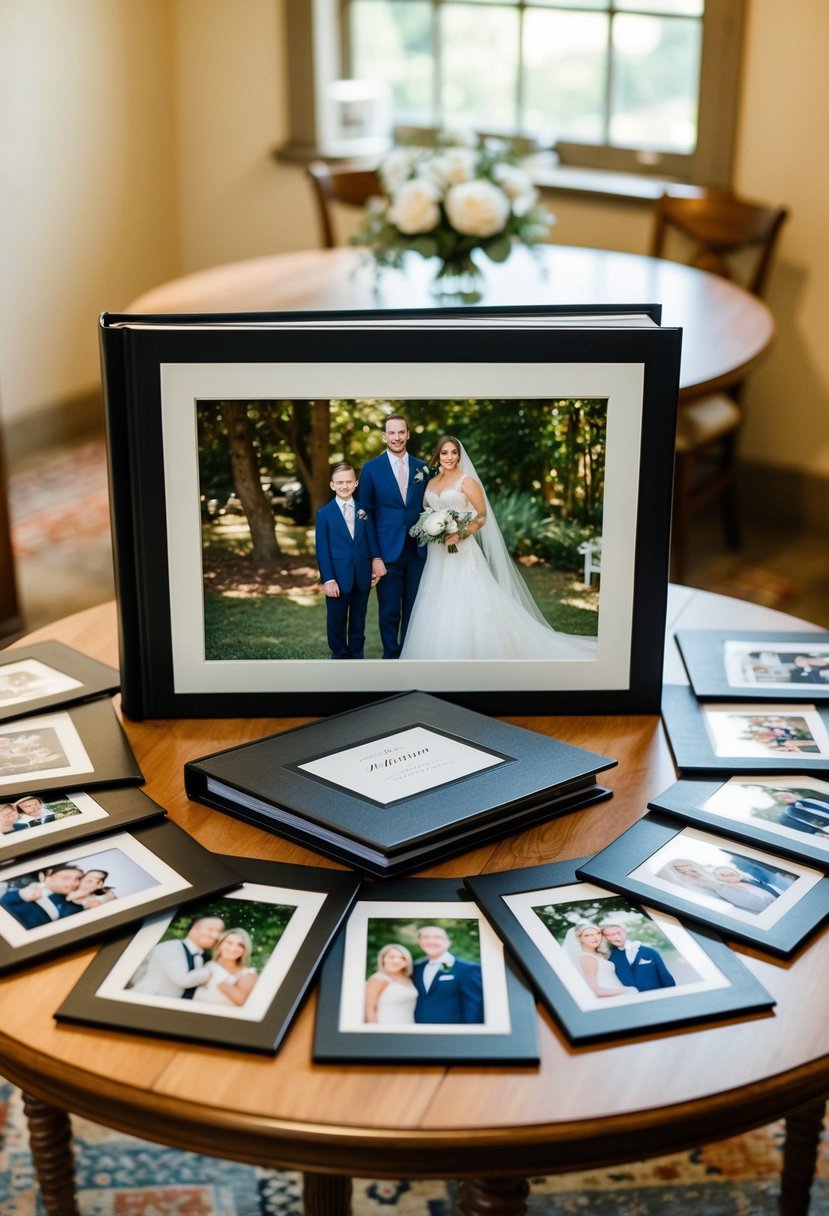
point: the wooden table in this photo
(583, 1107)
(725, 328)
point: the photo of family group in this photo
(766, 731)
(330, 527)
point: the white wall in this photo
(87, 157)
(139, 145)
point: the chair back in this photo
(351, 183)
(719, 229)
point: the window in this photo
(645, 86)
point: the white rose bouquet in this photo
(436, 523)
(449, 200)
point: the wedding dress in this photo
(395, 1005)
(210, 992)
(472, 606)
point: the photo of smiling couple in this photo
(425, 537)
(439, 989)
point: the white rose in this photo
(477, 208)
(435, 523)
(396, 168)
(452, 166)
(414, 208)
(518, 187)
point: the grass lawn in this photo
(264, 614)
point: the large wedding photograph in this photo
(348, 528)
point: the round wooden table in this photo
(725, 329)
(494, 1127)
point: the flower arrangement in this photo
(435, 524)
(452, 199)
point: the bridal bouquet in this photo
(436, 523)
(449, 200)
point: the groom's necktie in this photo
(402, 477)
(187, 995)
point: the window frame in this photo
(317, 33)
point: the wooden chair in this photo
(734, 238)
(349, 183)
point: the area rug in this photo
(118, 1175)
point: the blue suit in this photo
(801, 815)
(403, 558)
(455, 995)
(646, 972)
(29, 914)
(348, 560)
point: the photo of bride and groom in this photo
(373, 534)
(473, 510)
(439, 988)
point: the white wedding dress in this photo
(210, 992)
(606, 976)
(463, 612)
(396, 1004)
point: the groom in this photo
(391, 490)
(449, 989)
(637, 965)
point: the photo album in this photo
(543, 436)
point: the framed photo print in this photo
(45, 674)
(254, 952)
(606, 967)
(73, 894)
(79, 746)
(220, 589)
(35, 821)
(744, 736)
(789, 814)
(756, 666)
(745, 893)
(418, 976)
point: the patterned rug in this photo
(121, 1176)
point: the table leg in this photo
(493, 1196)
(50, 1140)
(326, 1195)
(803, 1128)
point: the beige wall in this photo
(141, 147)
(89, 192)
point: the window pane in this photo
(480, 66)
(656, 64)
(565, 61)
(680, 8)
(392, 40)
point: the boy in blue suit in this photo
(393, 484)
(346, 546)
(637, 965)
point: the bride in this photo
(472, 603)
(585, 946)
